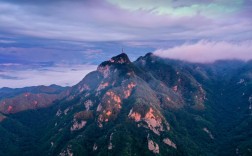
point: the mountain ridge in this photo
(152, 106)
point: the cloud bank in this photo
(60, 75)
(208, 51)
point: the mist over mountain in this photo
(152, 106)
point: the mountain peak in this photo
(149, 54)
(119, 59)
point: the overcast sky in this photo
(42, 40)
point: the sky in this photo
(45, 42)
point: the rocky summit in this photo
(152, 106)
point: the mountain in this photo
(21, 99)
(152, 106)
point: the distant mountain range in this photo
(152, 106)
(21, 99)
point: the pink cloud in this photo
(208, 51)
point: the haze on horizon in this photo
(46, 42)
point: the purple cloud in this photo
(103, 21)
